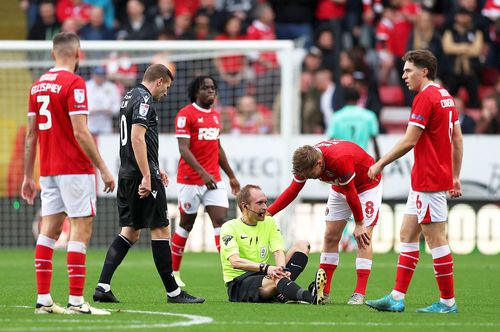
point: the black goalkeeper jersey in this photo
(137, 108)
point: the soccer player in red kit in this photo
(344, 165)
(197, 128)
(57, 118)
(434, 134)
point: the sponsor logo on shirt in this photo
(208, 134)
(181, 121)
(143, 109)
(79, 95)
(226, 239)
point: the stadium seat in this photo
(391, 95)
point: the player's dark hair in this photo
(351, 95)
(63, 43)
(196, 84)
(157, 71)
(423, 59)
(304, 159)
(243, 196)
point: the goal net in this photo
(243, 79)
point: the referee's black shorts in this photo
(149, 212)
(245, 288)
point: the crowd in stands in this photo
(348, 44)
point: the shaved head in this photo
(65, 44)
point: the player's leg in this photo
(160, 246)
(216, 204)
(407, 261)
(364, 260)
(434, 230)
(189, 201)
(371, 201)
(329, 259)
(53, 216)
(297, 257)
(115, 255)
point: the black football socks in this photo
(116, 252)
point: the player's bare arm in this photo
(164, 178)
(224, 164)
(138, 141)
(187, 155)
(280, 259)
(457, 155)
(401, 148)
(84, 138)
(28, 189)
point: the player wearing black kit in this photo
(141, 187)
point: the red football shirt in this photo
(261, 31)
(202, 127)
(434, 111)
(54, 97)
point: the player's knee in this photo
(303, 246)
(332, 239)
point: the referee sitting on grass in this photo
(246, 247)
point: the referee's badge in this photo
(143, 109)
(263, 252)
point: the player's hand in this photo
(28, 190)
(145, 187)
(276, 272)
(374, 170)
(456, 191)
(209, 181)
(235, 185)
(109, 182)
(164, 178)
(361, 235)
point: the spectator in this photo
(239, 8)
(182, 25)
(30, 7)
(294, 19)
(251, 118)
(325, 89)
(108, 11)
(369, 97)
(462, 45)
(467, 123)
(425, 36)
(47, 26)
(96, 29)
(164, 14)
(331, 17)
(265, 64)
(70, 25)
(120, 68)
(231, 68)
(202, 28)
(326, 42)
(104, 102)
(74, 9)
(137, 26)
(217, 17)
(489, 122)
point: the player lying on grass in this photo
(246, 248)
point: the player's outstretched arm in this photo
(224, 164)
(401, 148)
(84, 138)
(187, 155)
(458, 150)
(28, 188)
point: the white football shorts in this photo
(338, 209)
(74, 194)
(192, 195)
(427, 206)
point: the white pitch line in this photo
(137, 324)
(275, 323)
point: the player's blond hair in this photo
(65, 44)
(243, 197)
(304, 159)
(157, 71)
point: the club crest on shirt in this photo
(181, 121)
(143, 109)
(79, 95)
(263, 252)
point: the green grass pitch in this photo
(143, 304)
